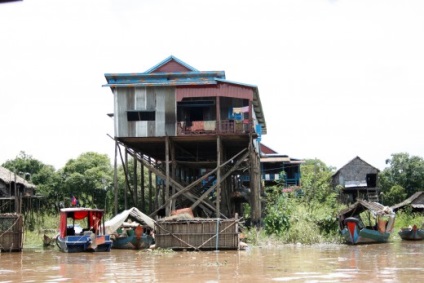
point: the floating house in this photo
(196, 131)
(357, 180)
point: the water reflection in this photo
(391, 262)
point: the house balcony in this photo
(214, 127)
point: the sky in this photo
(337, 78)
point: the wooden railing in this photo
(212, 127)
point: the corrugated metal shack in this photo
(196, 131)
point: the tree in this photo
(404, 171)
(316, 181)
(395, 195)
(88, 178)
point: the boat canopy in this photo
(375, 208)
(113, 224)
(93, 215)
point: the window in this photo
(141, 115)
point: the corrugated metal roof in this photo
(167, 60)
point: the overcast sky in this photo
(337, 78)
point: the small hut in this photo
(358, 180)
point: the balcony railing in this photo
(212, 127)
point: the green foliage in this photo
(316, 183)
(404, 171)
(88, 178)
(278, 210)
(396, 195)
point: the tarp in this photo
(113, 224)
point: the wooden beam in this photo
(205, 194)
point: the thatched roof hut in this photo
(7, 181)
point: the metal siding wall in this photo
(140, 104)
(120, 115)
(170, 112)
(131, 106)
(222, 89)
(150, 105)
(160, 111)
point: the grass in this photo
(304, 230)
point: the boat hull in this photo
(411, 234)
(84, 243)
(354, 233)
(133, 242)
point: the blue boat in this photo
(72, 238)
(412, 233)
(379, 221)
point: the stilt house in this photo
(195, 130)
(357, 180)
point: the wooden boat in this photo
(379, 221)
(92, 238)
(412, 233)
(131, 229)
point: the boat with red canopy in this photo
(92, 237)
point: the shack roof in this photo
(8, 177)
(357, 157)
(416, 201)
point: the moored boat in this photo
(366, 222)
(131, 229)
(92, 238)
(412, 233)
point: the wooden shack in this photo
(357, 180)
(196, 131)
(14, 191)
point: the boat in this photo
(131, 229)
(73, 238)
(366, 222)
(412, 233)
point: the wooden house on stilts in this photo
(196, 131)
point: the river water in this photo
(389, 262)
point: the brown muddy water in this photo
(390, 262)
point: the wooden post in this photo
(126, 189)
(142, 188)
(151, 191)
(135, 181)
(115, 178)
(218, 175)
(173, 171)
(168, 207)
